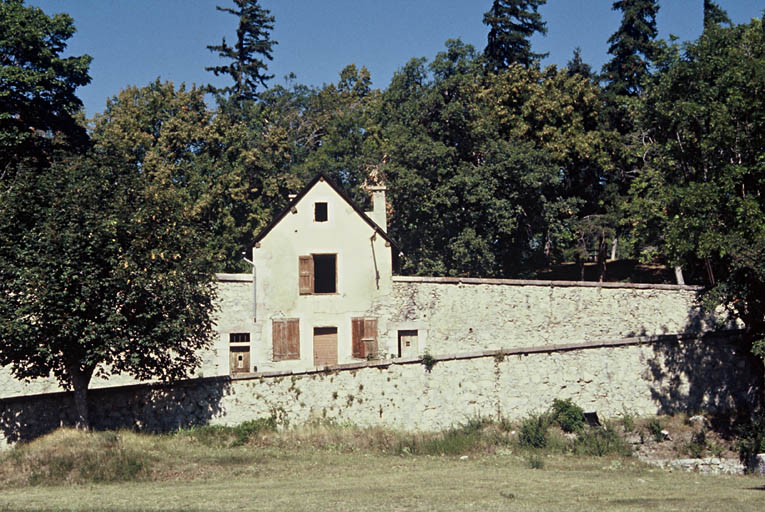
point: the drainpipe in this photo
(254, 291)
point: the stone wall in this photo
(643, 376)
(471, 314)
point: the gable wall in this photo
(363, 270)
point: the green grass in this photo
(322, 466)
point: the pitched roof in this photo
(323, 177)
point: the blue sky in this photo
(135, 41)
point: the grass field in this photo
(343, 468)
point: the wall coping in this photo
(534, 282)
(235, 278)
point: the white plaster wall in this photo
(363, 276)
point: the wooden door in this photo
(407, 343)
(324, 346)
(239, 360)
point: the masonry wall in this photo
(661, 375)
(457, 315)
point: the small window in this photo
(407, 343)
(320, 212)
(239, 337)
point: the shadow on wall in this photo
(142, 407)
(713, 371)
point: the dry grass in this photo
(328, 467)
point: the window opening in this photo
(325, 274)
(320, 212)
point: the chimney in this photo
(378, 213)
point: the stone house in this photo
(322, 268)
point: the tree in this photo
(38, 107)
(700, 200)
(632, 47)
(246, 67)
(714, 15)
(102, 271)
(512, 23)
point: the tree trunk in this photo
(80, 381)
(679, 274)
(614, 245)
(602, 248)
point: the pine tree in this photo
(714, 15)
(632, 46)
(247, 67)
(512, 23)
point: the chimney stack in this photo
(379, 213)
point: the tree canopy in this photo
(511, 24)
(246, 66)
(38, 105)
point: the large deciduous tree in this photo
(700, 200)
(102, 271)
(511, 24)
(246, 65)
(38, 107)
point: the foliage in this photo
(751, 440)
(699, 199)
(102, 271)
(246, 67)
(714, 15)
(38, 107)
(428, 361)
(226, 436)
(511, 24)
(601, 441)
(534, 431)
(632, 46)
(697, 445)
(568, 415)
(655, 428)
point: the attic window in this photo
(320, 212)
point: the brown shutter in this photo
(293, 338)
(286, 339)
(305, 277)
(357, 332)
(370, 337)
(279, 329)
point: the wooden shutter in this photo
(306, 275)
(357, 332)
(286, 339)
(364, 337)
(370, 337)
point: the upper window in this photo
(318, 274)
(320, 212)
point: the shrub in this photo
(601, 441)
(220, 436)
(697, 445)
(568, 415)
(535, 461)
(751, 440)
(628, 421)
(655, 429)
(534, 431)
(428, 361)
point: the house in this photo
(322, 271)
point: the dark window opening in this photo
(320, 212)
(325, 275)
(239, 337)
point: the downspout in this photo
(254, 292)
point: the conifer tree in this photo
(246, 67)
(714, 15)
(512, 23)
(632, 46)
